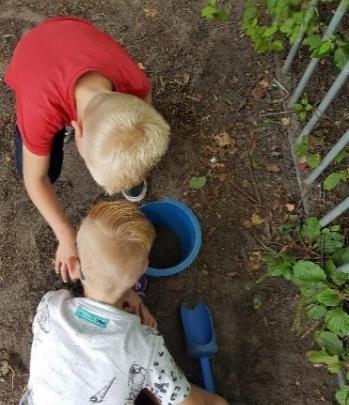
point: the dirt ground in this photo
(224, 112)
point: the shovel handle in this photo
(207, 374)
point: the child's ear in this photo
(77, 128)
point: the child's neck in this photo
(88, 86)
(115, 301)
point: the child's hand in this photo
(133, 304)
(67, 258)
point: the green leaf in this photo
(277, 45)
(198, 182)
(332, 241)
(328, 297)
(257, 302)
(311, 229)
(324, 49)
(331, 271)
(298, 107)
(279, 265)
(341, 256)
(341, 156)
(313, 160)
(321, 357)
(342, 395)
(313, 41)
(333, 179)
(308, 274)
(302, 148)
(341, 56)
(337, 321)
(316, 312)
(208, 12)
(330, 343)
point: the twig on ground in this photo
(254, 181)
(237, 188)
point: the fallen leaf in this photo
(223, 139)
(198, 182)
(185, 78)
(255, 261)
(272, 168)
(150, 12)
(5, 368)
(256, 219)
(290, 207)
(286, 121)
(264, 83)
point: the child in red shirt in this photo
(66, 72)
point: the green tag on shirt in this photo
(90, 317)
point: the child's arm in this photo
(41, 192)
(199, 396)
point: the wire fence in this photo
(326, 101)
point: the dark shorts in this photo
(56, 158)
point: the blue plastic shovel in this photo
(200, 338)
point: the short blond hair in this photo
(124, 138)
(114, 241)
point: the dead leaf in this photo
(141, 66)
(286, 121)
(150, 12)
(272, 168)
(223, 139)
(290, 207)
(256, 219)
(5, 368)
(185, 78)
(255, 261)
(264, 83)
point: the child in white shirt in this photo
(92, 349)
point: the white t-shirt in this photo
(85, 352)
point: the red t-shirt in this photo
(47, 63)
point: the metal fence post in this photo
(336, 19)
(341, 144)
(331, 94)
(335, 212)
(291, 55)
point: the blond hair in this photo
(114, 241)
(124, 138)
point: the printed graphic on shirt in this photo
(99, 396)
(166, 380)
(136, 378)
(43, 316)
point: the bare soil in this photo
(225, 115)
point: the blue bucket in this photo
(179, 219)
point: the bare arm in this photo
(41, 192)
(199, 396)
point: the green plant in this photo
(324, 292)
(303, 108)
(212, 12)
(302, 152)
(335, 178)
(270, 24)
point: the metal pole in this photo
(291, 55)
(335, 212)
(341, 144)
(336, 19)
(331, 94)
